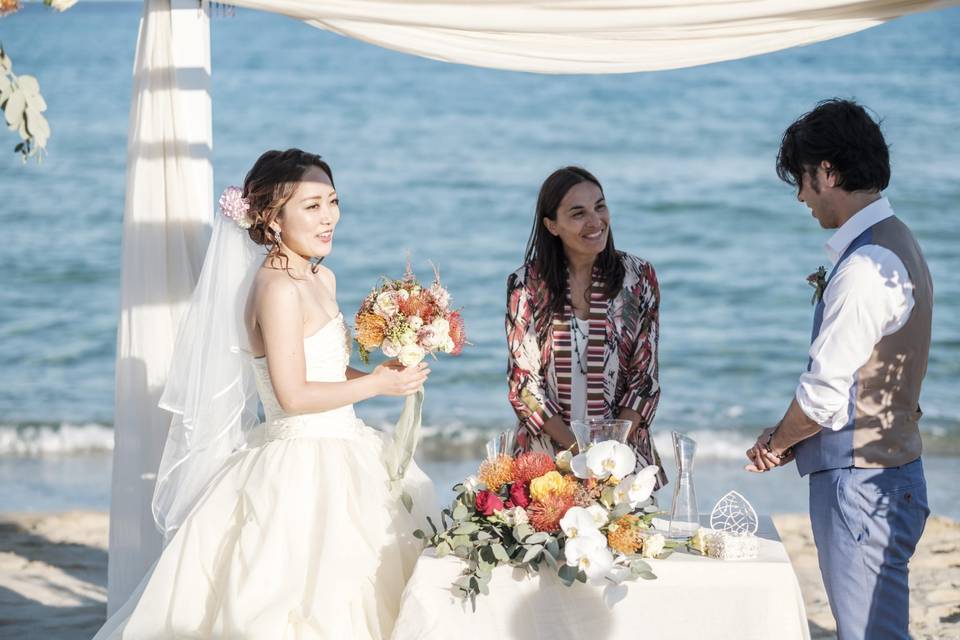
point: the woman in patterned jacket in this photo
(582, 324)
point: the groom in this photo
(852, 425)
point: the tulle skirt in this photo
(298, 538)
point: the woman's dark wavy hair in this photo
(545, 250)
(842, 133)
(269, 184)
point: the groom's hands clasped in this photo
(762, 457)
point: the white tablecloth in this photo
(692, 598)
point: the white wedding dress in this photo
(297, 537)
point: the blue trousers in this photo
(866, 524)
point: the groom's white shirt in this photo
(869, 297)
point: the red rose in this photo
(488, 502)
(519, 495)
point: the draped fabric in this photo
(592, 36)
(165, 230)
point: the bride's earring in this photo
(277, 235)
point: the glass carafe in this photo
(684, 515)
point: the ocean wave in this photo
(56, 439)
(451, 441)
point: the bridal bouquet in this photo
(406, 320)
(587, 517)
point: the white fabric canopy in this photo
(166, 222)
(169, 183)
(592, 36)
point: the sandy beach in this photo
(53, 572)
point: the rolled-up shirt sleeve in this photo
(869, 296)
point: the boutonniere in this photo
(818, 281)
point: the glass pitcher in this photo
(684, 515)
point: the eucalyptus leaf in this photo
(651, 509)
(553, 546)
(419, 534)
(567, 574)
(532, 552)
(461, 551)
(466, 528)
(499, 552)
(406, 501)
(521, 531)
(460, 512)
(620, 510)
(483, 535)
(443, 549)
(461, 540)
(647, 575)
(549, 559)
(537, 538)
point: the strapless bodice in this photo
(327, 354)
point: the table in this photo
(692, 598)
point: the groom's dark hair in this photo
(842, 133)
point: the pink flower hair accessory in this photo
(234, 206)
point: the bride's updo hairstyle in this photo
(267, 188)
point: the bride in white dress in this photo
(286, 529)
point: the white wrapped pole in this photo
(166, 216)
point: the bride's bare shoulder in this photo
(274, 288)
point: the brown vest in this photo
(886, 433)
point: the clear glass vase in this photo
(594, 430)
(684, 515)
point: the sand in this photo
(53, 574)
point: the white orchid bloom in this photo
(638, 487)
(610, 458)
(600, 515)
(578, 522)
(578, 465)
(590, 555)
(577, 548)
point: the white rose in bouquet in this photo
(387, 304)
(411, 354)
(390, 348)
(653, 545)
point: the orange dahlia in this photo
(497, 472)
(625, 534)
(457, 332)
(370, 330)
(530, 465)
(545, 514)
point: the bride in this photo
(288, 528)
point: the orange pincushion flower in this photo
(370, 329)
(457, 332)
(497, 472)
(530, 465)
(545, 514)
(417, 305)
(625, 534)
